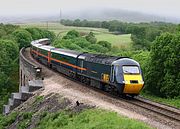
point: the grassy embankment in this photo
(91, 118)
(57, 112)
(172, 102)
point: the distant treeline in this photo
(142, 34)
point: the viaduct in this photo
(30, 81)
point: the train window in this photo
(112, 73)
(130, 69)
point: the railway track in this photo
(168, 112)
(164, 110)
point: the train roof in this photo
(66, 52)
(99, 58)
(125, 61)
(36, 44)
(44, 39)
(39, 41)
(45, 47)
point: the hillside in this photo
(54, 111)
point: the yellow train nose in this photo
(133, 83)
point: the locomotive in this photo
(108, 73)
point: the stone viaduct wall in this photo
(28, 70)
(30, 81)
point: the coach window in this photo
(24, 79)
(112, 73)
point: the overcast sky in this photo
(52, 7)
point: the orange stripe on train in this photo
(62, 62)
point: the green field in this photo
(121, 41)
(88, 119)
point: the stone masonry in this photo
(30, 81)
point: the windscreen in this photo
(130, 69)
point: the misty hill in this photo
(122, 15)
(106, 14)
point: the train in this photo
(121, 75)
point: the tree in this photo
(48, 34)
(35, 33)
(91, 38)
(163, 77)
(97, 48)
(23, 37)
(71, 34)
(105, 44)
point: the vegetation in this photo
(91, 118)
(101, 34)
(169, 101)
(163, 75)
(5, 121)
(88, 119)
(72, 40)
(142, 34)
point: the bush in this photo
(163, 78)
(98, 48)
(35, 33)
(81, 42)
(23, 37)
(105, 44)
(71, 35)
(91, 38)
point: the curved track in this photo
(161, 111)
(164, 110)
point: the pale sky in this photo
(52, 7)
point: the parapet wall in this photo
(30, 81)
(28, 70)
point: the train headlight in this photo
(141, 82)
(125, 82)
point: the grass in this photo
(59, 28)
(5, 121)
(121, 41)
(172, 102)
(89, 119)
(26, 119)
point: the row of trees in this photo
(142, 34)
(12, 39)
(74, 41)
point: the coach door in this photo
(81, 65)
(112, 73)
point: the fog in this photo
(19, 8)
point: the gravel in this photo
(56, 83)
